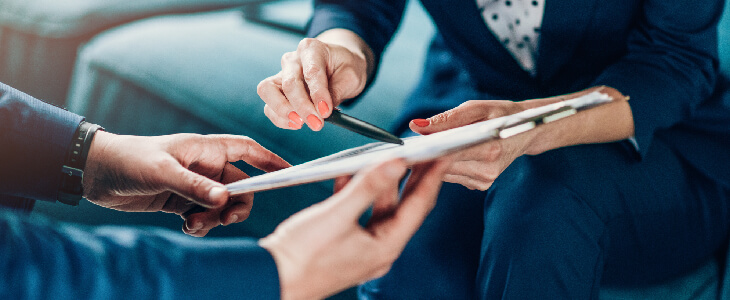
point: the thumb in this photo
(453, 118)
(198, 188)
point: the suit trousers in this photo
(560, 224)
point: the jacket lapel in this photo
(563, 26)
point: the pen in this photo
(361, 127)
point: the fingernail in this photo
(196, 226)
(323, 108)
(314, 122)
(293, 125)
(421, 122)
(232, 219)
(192, 232)
(296, 119)
(216, 193)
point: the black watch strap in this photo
(72, 189)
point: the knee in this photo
(532, 209)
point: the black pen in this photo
(362, 127)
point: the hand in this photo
(477, 167)
(322, 250)
(174, 174)
(314, 79)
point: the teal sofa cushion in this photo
(39, 39)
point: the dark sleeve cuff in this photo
(375, 21)
(36, 137)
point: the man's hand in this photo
(316, 78)
(322, 250)
(176, 174)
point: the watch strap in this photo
(71, 190)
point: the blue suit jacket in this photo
(662, 53)
(42, 260)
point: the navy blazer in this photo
(42, 260)
(661, 53)
(34, 140)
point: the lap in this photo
(660, 216)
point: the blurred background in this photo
(153, 67)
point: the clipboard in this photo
(418, 148)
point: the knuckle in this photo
(289, 84)
(288, 57)
(311, 70)
(307, 43)
(442, 117)
(261, 87)
(494, 152)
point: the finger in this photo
(453, 118)
(477, 170)
(295, 90)
(367, 186)
(195, 187)
(341, 182)
(468, 182)
(384, 205)
(239, 207)
(237, 213)
(313, 56)
(419, 197)
(195, 233)
(206, 220)
(246, 149)
(280, 110)
(280, 122)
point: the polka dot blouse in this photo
(516, 23)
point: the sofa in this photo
(198, 73)
(39, 39)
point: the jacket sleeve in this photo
(43, 260)
(375, 21)
(34, 139)
(670, 66)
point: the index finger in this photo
(246, 149)
(313, 57)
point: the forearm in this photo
(34, 140)
(606, 123)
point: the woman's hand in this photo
(478, 166)
(180, 174)
(315, 78)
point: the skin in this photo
(475, 168)
(323, 250)
(318, 252)
(174, 174)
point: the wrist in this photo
(284, 266)
(71, 189)
(95, 160)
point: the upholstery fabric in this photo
(198, 73)
(39, 38)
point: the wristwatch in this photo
(72, 189)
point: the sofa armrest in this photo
(69, 19)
